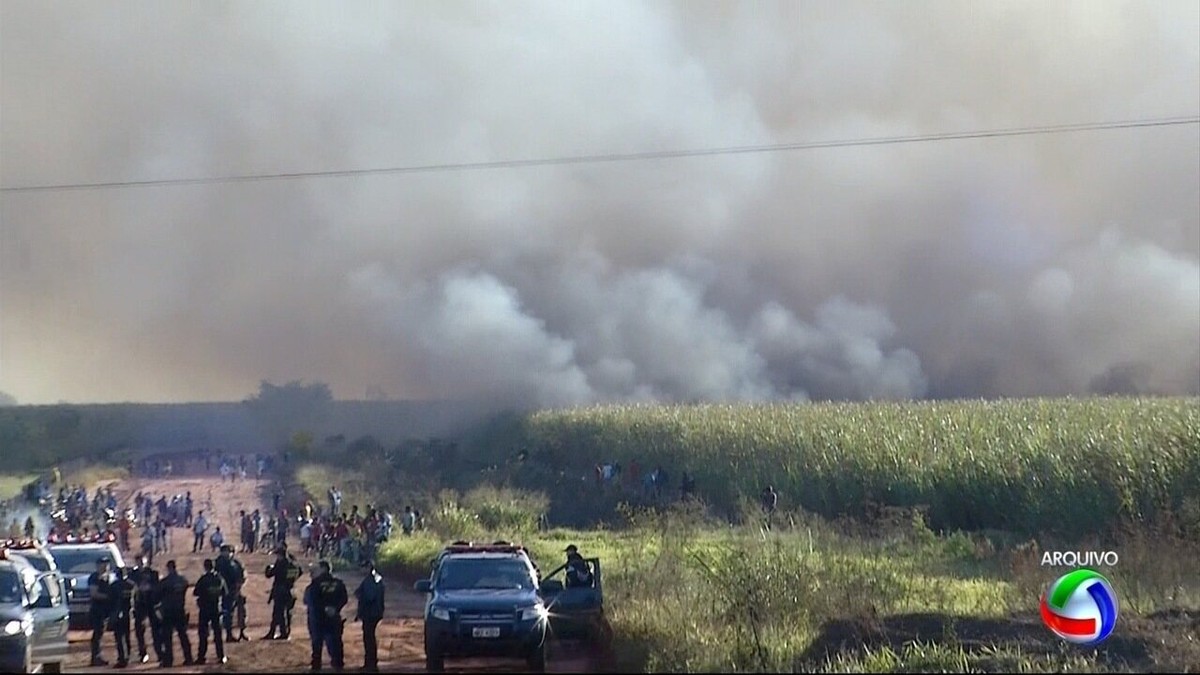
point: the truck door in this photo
(50, 640)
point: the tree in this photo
(283, 409)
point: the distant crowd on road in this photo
(230, 466)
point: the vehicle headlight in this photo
(535, 613)
(15, 627)
(441, 613)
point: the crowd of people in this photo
(150, 613)
(127, 602)
(353, 536)
(654, 484)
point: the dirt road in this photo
(400, 633)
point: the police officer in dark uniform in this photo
(234, 575)
(173, 600)
(284, 573)
(122, 607)
(146, 609)
(327, 596)
(370, 595)
(100, 606)
(209, 590)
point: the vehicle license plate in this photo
(485, 632)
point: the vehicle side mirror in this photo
(551, 586)
(423, 586)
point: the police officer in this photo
(100, 606)
(122, 606)
(326, 596)
(234, 575)
(283, 572)
(578, 573)
(241, 617)
(370, 611)
(146, 608)
(209, 590)
(173, 600)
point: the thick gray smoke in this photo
(1017, 266)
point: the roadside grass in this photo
(316, 480)
(95, 475)
(12, 483)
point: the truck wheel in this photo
(53, 667)
(434, 662)
(537, 660)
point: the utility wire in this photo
(620, 157)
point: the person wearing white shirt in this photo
(198, 529)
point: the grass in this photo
(907, 542)
(686, 595)
(95, 475)
(11, 484)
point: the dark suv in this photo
(484, 601)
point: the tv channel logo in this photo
(1080, 607)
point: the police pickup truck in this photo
(33, 551)
(33, 617)
(76, 558)
(484, 601)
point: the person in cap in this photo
(326, 596)
(123, 591)
(579, 575)
(284, 573)
(370, 594)
(173, 600)
(234, 575)
(100, 603)
(146, 608)
(209, 590)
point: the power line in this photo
(620, 157)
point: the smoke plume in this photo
(1037, 265)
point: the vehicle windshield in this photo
(10, 588)
(39, 562)
(484, 574)
(78, 561)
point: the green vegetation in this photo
(12, 484)
(1059, 466)
(685, 594)
(904, 544)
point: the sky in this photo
(1057, 264)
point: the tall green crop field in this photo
(1068, 466)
